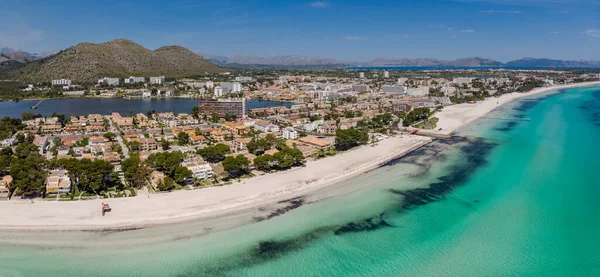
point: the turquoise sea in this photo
(504, 198)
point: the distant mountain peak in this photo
(121, 41)
(86, 62)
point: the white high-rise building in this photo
(420, 91)
(289, 133)
(109, 81)
(393, 89)
(231, 87)
(386, 74)
(61, 82)
(218, 91)
(132, 80)
(361, 75)
(160, 80)
(243, 79)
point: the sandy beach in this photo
(214, 202)
(453, 117)
(157, 209)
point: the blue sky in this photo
(347, 30)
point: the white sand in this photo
(209, 203)
(453, 117)
(215, 202)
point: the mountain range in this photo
(305, 61)
(86, 62)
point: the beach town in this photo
(155, 168)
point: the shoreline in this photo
(453, 117)
(184, 206)
(242, 197)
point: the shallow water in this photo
(516, 198)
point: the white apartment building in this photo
(420, 91)
(61, 82)
(231, 87)
(290, 133)
(462, 80)
(132, 80)
(318, 94)
(209, 84)
(265, 126)
(393, 89)
(109, 81)
(218, 91)
(361, 88)
(361, 75)
(386, 74)
(309, 127)
(402, 81)
(160, 80)
(196, 84)
(448, 91)
(200, 170)
(243, 79)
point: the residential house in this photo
(112, 157)
(218, 135)
(4, 185)
(423, 103)
(8, 142)
(250, 158)
(290, 133)
(74, 128)
(314, 142)
(97, 140)
(51, 128)
(328, 128)
(145, 144)
(58, 182)
(405, 106)
(271, 151)
(156, 177)
(309, 127)
(63, 150)
(239, 144)
(42, 143)
(200, 170)
(71, 141)
(95, 127)
(196, 140)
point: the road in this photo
(124, 148)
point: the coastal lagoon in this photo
(503, 198)
(85, 106)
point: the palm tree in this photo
(321, 153)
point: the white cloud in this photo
(467, 31)
(592, 32)
(319, 4)
(554, 32)
(501, 11)
(351, 37)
